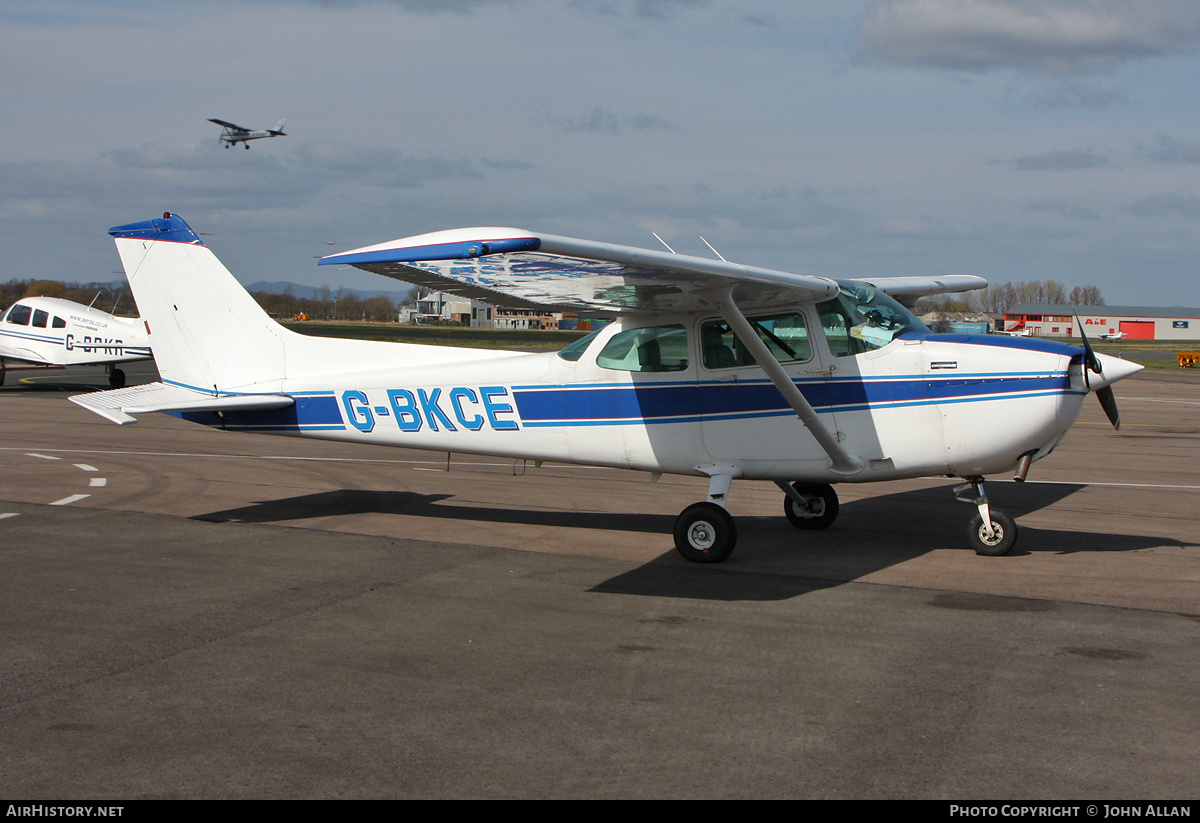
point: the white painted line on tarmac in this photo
(99, 481)
(43, 456)
(66, 501)
(8, 514)
(86, 467)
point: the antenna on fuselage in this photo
(714, 251)
(664, 242)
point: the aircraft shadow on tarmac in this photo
(774, 561)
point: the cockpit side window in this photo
(651, 349)
(784, 334)
(19, 315)
(862, 318)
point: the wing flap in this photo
(119, 405)
(514, 267)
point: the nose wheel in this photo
(810, 505)
(991, 532)
(1001, 540)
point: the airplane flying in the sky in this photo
(52, 332)
(711, 369)
(234, 134)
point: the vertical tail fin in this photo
(186, 297)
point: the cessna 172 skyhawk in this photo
(50, 332)
(233, 134)
(704, 372)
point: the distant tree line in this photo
(1002, 297)
(104, 296)
(325, 304)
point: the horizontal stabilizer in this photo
(119, 405)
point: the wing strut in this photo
(843, 461)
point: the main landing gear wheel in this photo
(1004, 534)
(705, 533)
(116, 379)
(822, 508)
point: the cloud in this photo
(1064, 208)
(1035, 36)
(202, 178)
(1061, 161)
(1075, 95)
(379, 166)
(1165, 205)
(652, 9)
(420, 6)
(1171, 150)
(604, 121)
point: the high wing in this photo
(521, 269)
(236, 128)
(908, 290)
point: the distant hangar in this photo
(1136, 322)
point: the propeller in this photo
(1091, 363)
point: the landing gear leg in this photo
(991, 532)
(809, 505)
(705, 532)
(116, 377)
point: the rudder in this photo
(206, 331)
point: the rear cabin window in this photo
(19, 315)
(784, 334)
(652, 349)
(59, 323)
(40, 318)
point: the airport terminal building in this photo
(1137, 322)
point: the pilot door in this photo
(746, 419)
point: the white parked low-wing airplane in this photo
(704, 372)
(52, 332)
(234, 134)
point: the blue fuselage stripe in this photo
(675, 403)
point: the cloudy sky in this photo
(1013, 139)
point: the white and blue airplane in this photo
(232, 134)
(49, 332)
(710, 369)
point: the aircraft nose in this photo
(1114, 369)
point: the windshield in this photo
(862, 318)
(574, 351)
